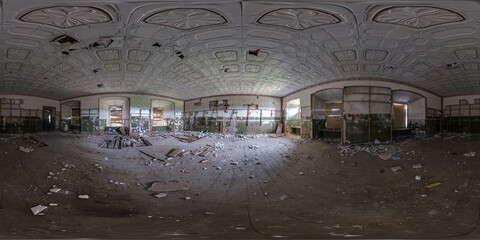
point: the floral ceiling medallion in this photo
(297, 18)
(67, 17)
(186, 18)
(417, 17)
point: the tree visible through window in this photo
(116, 119)
(158, 117)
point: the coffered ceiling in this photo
(182, 49)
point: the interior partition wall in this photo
(367, 114)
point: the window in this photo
(158, 117)
(116, 119)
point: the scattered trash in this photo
(38, 209)
(283, 197)
(470, 154)
(168, 186)
(209, 213)
(83, 197)
(26, 149)
(55, 190)
(396, 168)
(161, 195)
(416, 166)
(432, 185)
(53, 204)
(418, 178)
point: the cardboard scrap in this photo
(168, 186)
(432, 185)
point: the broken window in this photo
(158, 117)
(116, 119)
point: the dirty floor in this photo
(258, 187)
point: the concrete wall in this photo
(35, 102)
(455, 100)
(201, 117)
(416, 113)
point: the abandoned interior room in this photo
(247, 119)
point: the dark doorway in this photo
(48, 119)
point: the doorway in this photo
(48, 118)
(400, 115)
(293, 118)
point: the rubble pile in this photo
(384, 152)
(119, 142)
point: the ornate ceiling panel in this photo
(297, 18)
(67, 17)
(196, 49)
(186, 18)
(418, 17)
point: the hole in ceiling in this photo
(179, 54)
(100, 85)
(65, 39)
(156, 45)
(66, 53)
(96, 70)
(452, 65)
(254, 52)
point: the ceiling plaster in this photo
(189, 49)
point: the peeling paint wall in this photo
(416, 114)
(233, 116)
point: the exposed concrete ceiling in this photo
(188, 49)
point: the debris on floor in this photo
(432, 185)
(168, 186)
(385, 152)
(119, 142)
(35, 141)
(396, 168)
(26, 149)
(38, 209)
(470, 154)
(187, 138)
(174, 152)
(83, 197)
(161, 195)
(416, 166)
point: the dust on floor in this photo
(256, 186)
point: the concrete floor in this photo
(282, 187)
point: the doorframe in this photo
(54, 113)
